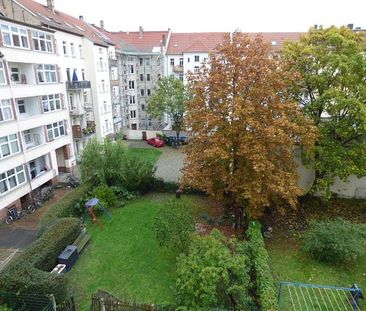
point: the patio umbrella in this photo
(75, 76)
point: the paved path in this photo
(169, 163)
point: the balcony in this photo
(34, 137)
(78, 85)
(178, 69)
(39, 166)
(79, 132)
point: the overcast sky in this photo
(216, 15)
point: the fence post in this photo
(53, 300)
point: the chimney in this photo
(51, 5)
(163, 40)
(141, 31)
(81, 17)
(102, 24)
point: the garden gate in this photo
(308, 297)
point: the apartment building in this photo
(35, 133)
(84, 57)
(138, 65)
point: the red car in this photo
(156, 142)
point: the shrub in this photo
(214, 274)
(335, 241)
(105, 195)
(174, 225)
(264, 282)
(66, 207)
(29, 272)
(110, 163)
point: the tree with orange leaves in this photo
(244, 128)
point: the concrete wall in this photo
(137, 134)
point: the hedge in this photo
(65, 206)
(265, 285)
(29, 272)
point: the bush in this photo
(105, 195)
(214, 274)
(335, 241)
(66, 207)
(30, 271)
(110, 163)
(265, 285)
(174, 225)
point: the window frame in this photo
(53, 101)
(43, 73)
(9, 142)
(22, 33)
(6, 176)
(47, 39)
(9, 106)
(52, 128)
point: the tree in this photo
(331, 87)
(244, 128)
(169, 96)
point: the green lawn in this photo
(125, 258)
(290, 263)
(149, 154)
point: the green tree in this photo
(331, 68)
(169, 97)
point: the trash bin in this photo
(68, 257)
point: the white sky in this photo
(216, 15)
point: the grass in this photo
(290, 263)
(150, 154)
(125, 258)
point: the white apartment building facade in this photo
(35, 132)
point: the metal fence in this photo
(308, 297)
(26, 302)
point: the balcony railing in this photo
(178, 68)
(78, 85)
(79, 132)
(35, 140)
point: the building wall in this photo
(14, 11)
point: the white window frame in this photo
(64, 48)
(2, 74)
(54, 130)
(51, 103)
(17, 72)
(72, 49)
(10, 141)
(81, 51)
(196, 58)
(47, 73)
(21, 102)
(172, 62)
(5, 178)
(43, 40)
(133, 114)
(6, 104)
(10, 32)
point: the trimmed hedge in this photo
(30, 271)
(265, 285)
(65, 206)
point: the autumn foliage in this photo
(244, 128)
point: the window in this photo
(15, 74)
(188, 60)
(6, 112)
(42, 41)
(172, 61)
(68, 74)
(9, 145)
(181, 76)
(15, 36)
(142, 91)
(21, 106)
(133, 114)
(71, 102)
(142, 107)
(51, 103)
(148, 77)
(131, 85)
(141, 77)
(181, 61)
(148, 92)
(83, 74)
(11, 179)
(196, 58)
(64, 47)
(158, 76)
(81, 52)
(196, 69)
(130, 68)
(147, 61)
(100, 51)
(141, 61)
(46, 73)
(2, 74)
(132, 100)
(72, 48)
(55, 130)
(27, 137)
(130, 59)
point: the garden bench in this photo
(82, 240)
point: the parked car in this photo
(156, 142)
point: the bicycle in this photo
(32, 206)
(14, 214)
(72, 181)
(46, 194)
